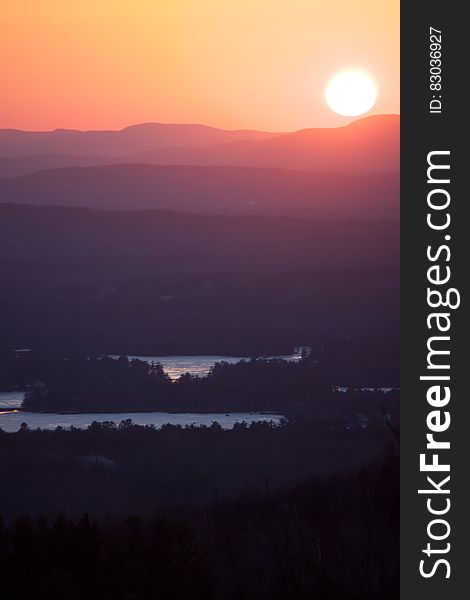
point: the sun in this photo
(351, 93)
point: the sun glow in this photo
(182, 61)
(351, 93)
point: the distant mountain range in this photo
(211, 190)
(133, 139)
(367, 145)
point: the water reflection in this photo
(11, 421)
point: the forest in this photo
(255, 519)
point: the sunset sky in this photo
(262, 64)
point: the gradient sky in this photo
(262, 64)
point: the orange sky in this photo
(263, 64)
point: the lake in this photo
(199, 366)
(9, 400)
(10, 421)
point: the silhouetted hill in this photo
(136, 138)
(160, 282)
(229, 190)
(367, 145)
(184, 242)
(13, 166)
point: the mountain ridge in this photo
(367, 144)
(210, 190)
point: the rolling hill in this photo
(368, 145)
(210, 190)
(136, 138)
(171, 241)
(161, 282)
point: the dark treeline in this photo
(103, 384)
(112, 470)
(335, 539)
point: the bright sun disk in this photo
(351, 93)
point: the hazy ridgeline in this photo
(368, 146)
(280, 240)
